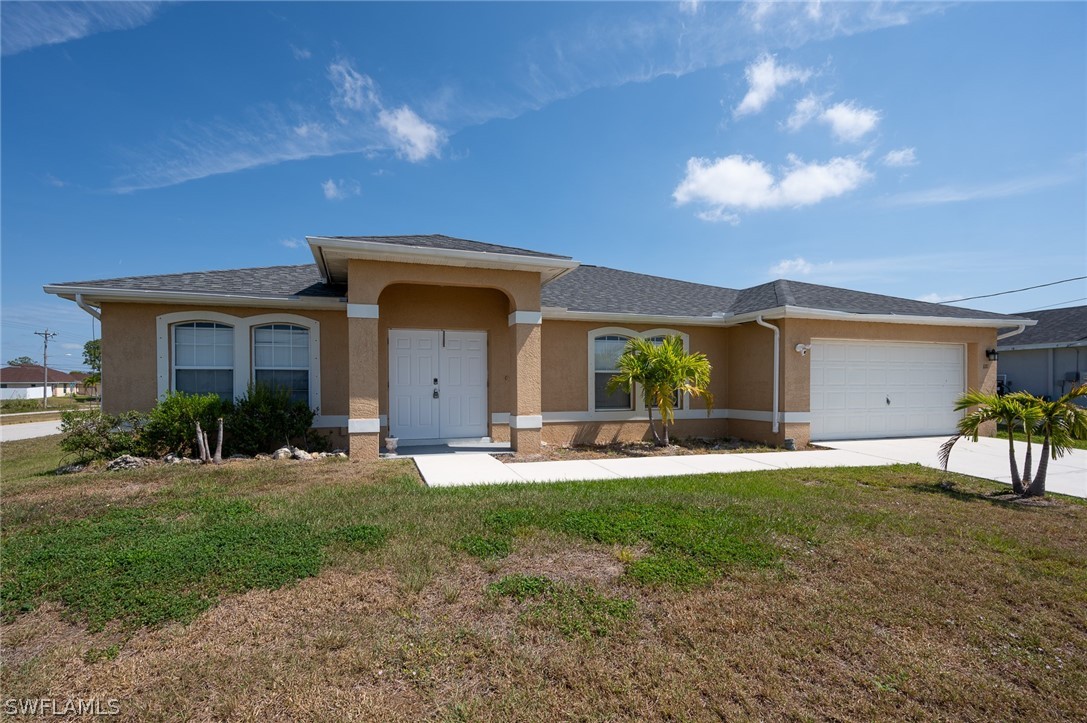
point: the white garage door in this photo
(865, 389)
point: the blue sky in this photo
(919, 150)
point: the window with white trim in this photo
(204, 358)
(606, 352)
(281, 358)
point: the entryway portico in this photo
(442, 343)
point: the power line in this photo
(1059, 303)
(1013, 291)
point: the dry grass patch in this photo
(892, 593)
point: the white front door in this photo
(884, 389)
(437, 384)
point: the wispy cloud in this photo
(300, 53)
(635, 43)
(901, 158)
(724, 186)
(28, 25)
(353, 119)
(764, 79)
(979, 192)
(869, 269)
(291, 243)
(339, 190)
(935, 298)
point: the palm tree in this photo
(665, 372)
(1059, 422)
(1008, 409)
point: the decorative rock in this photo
(71, 468)
(298, 453)
(177, 459)
(282, 453)
(262, 455)
(127, 461)
(340, 454)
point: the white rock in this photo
(282, 453)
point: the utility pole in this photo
(46, 336)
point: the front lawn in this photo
(1019, 436)
(337, 590)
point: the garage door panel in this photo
(883, 389)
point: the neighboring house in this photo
(432, 337)
(81, 386)
(1049, 358)
(28, 382)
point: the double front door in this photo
(437, 383)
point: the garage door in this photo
(865, 389)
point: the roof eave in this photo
(549, 268)
(1043, 345)
(97, 295)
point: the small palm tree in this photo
(1008, 410)
(665, 372)
(1059, 422)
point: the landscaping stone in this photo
(127, 461)
(282, 453)
(262, 455)
(71, 468)
(301, 454)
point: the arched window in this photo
(281, 358)
(607, 349)
(204, 358)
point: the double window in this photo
(606, 346)
(221, 354)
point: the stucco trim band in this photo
(526, 317)
(364, 426)
(640, 416)
(526, 421)
(500, 418)
(362, 311)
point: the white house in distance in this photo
(29, 382)
(1050, 358)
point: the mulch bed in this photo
(728, 445)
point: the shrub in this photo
(171, 425)
(267, 418)
(95, 435)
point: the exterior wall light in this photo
(803, 349)
(991, 354)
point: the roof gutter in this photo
(777, 366)
(97, 294)
(96, 313)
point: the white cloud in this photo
(764, 79)
(28, 25)
(789, 267)
(54, 181)
(850, 122)
(981, 192)
(938, 298)
(690, 6)
(300, 53)
(291, 243)
(804, 111)
(413, 137)
(351, 89)
(901, 158)
(737, 183)
(339, 190)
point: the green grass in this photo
(1019, 436)
(575, 611)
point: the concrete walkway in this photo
(28, 430)
(988, 458)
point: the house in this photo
(82, 388)
(28, 381)
(433, 337)
(1049, 358)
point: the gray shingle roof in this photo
(598, 288)
(269, 281)
(1055, 326)
(438, 241)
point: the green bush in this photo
(20, 405)
(171, 425)
(93, 435)
(267, 418)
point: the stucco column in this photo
(526, 419)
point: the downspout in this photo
(777, 366)
(97, 314)
(1017, 330)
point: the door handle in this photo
(435, 392)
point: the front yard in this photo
(329, 590)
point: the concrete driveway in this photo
(986, 458)
(28, 430)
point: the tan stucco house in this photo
(433, 337)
